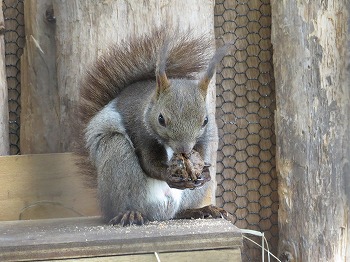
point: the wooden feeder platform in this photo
(88, 239)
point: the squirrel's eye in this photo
(205, 122)
(161, 120)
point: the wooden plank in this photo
(218, 255)
(89, 237)
(4, 109)
(310, 42)
(46, 185)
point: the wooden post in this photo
(4, 111)
(312, 128)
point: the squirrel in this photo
(143, 105)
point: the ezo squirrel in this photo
(146, 128)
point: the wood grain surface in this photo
(43, 186)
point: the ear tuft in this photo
(161, 78)
(162, 83)
(205, 80)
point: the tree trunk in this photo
(4, 110)
(312, 128)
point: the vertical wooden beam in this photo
(312, 128)
(39, 95)
(4, 110)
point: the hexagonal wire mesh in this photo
(246, 173)
(14, 42)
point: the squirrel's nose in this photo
(184, 149)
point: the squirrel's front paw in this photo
(187, 171)
(128, 218)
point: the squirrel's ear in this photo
(204, 81)
(162, 83)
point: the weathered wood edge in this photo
(217, 255)
(88, 237)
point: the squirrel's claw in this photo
(129, 218)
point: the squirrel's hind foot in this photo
(129, 218)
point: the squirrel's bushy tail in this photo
(182, 54)
(136, 59)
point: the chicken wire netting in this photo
(246, 171)
(13, 11)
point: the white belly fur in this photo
(160, 192)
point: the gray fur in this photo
(122, 183)
(126, 145)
